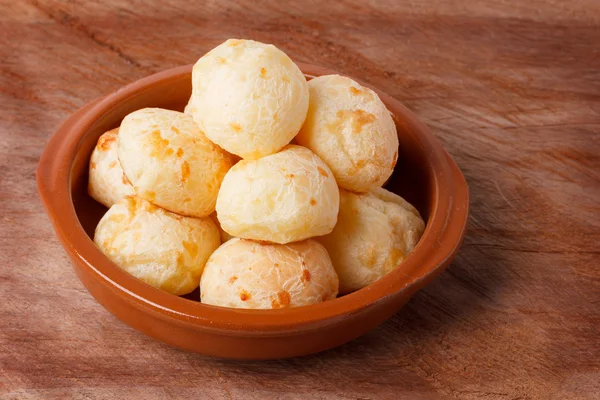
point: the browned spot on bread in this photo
(112, 164)
(361, 163)
(234, 42)
(177, 217)
(175, 129)
(191, 248)
(282, 299)
(117, 218)
(132, 202)
(365, 92)
(105, 141)
(263, 72)
(150, 207)
(397, 255)
(232, 279)
(150, 195)
(187, 200)
(276, 264)
(313, 202)
(361, 118)
(322, 172)
(285, 79)
(185, 172)
(236, 127)
(180, 259)
(395, 160)
(305, 276)
(179, 152)
(245, 296)
(125, 180)
(169, 152)
(158, 143)
(358, 119)
(92, 165)
(221, 60)
(369, 256)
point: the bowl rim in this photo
(442, 237)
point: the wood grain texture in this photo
(511, 89)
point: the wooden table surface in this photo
(511, 89)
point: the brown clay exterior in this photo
(425, 175)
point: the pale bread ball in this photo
(375, 232)
(163, 249)
(350, 128)
(249, 97)
(285, 197)
(247, 274)
(107, 183)
(170, 162)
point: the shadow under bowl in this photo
(425, 176)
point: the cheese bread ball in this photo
(107, 183)
(249, 97)
(375, 232)
(165, 250)
(281, 198)
(170, 162)
(247, 274)
(350, 128)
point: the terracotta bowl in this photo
(425, 175)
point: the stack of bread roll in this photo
(217, 197)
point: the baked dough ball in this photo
(350, 128)
(375, 232)
(249, 97)
(165, 250)
(107, 183)
(281, 198)
(170, 162)
(247, 274)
